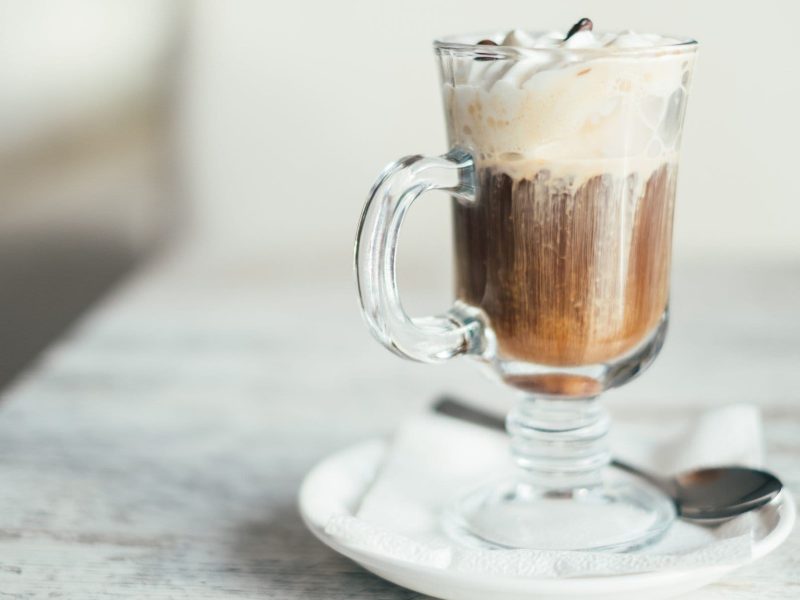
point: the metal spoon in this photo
(709, 494)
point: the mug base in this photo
(614, 516)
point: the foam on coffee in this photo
(573, 106)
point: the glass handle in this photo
(428, 339)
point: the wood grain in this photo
(156, 451)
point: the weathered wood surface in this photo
(156, 451)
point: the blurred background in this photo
(250, 131)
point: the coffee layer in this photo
(567, 275)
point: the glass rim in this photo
(456, 44)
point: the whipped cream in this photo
(518, 38)
(551, 104)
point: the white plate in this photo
(337, 483)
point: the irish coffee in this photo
(562, 169)
(565, 249)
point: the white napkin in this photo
(431, 456)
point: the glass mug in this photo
(562, 172)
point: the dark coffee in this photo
(568, 273)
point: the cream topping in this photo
(553, 103)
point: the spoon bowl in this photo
(723, 492)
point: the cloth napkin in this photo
(432, 456)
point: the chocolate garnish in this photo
(486, 42)
(583, 25)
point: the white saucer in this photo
(337, 483)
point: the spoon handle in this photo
(450, 407)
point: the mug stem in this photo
(561, 497)
(559, 445)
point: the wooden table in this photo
(156, 451)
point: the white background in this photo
(291, 109)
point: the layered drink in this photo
(565, 249)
